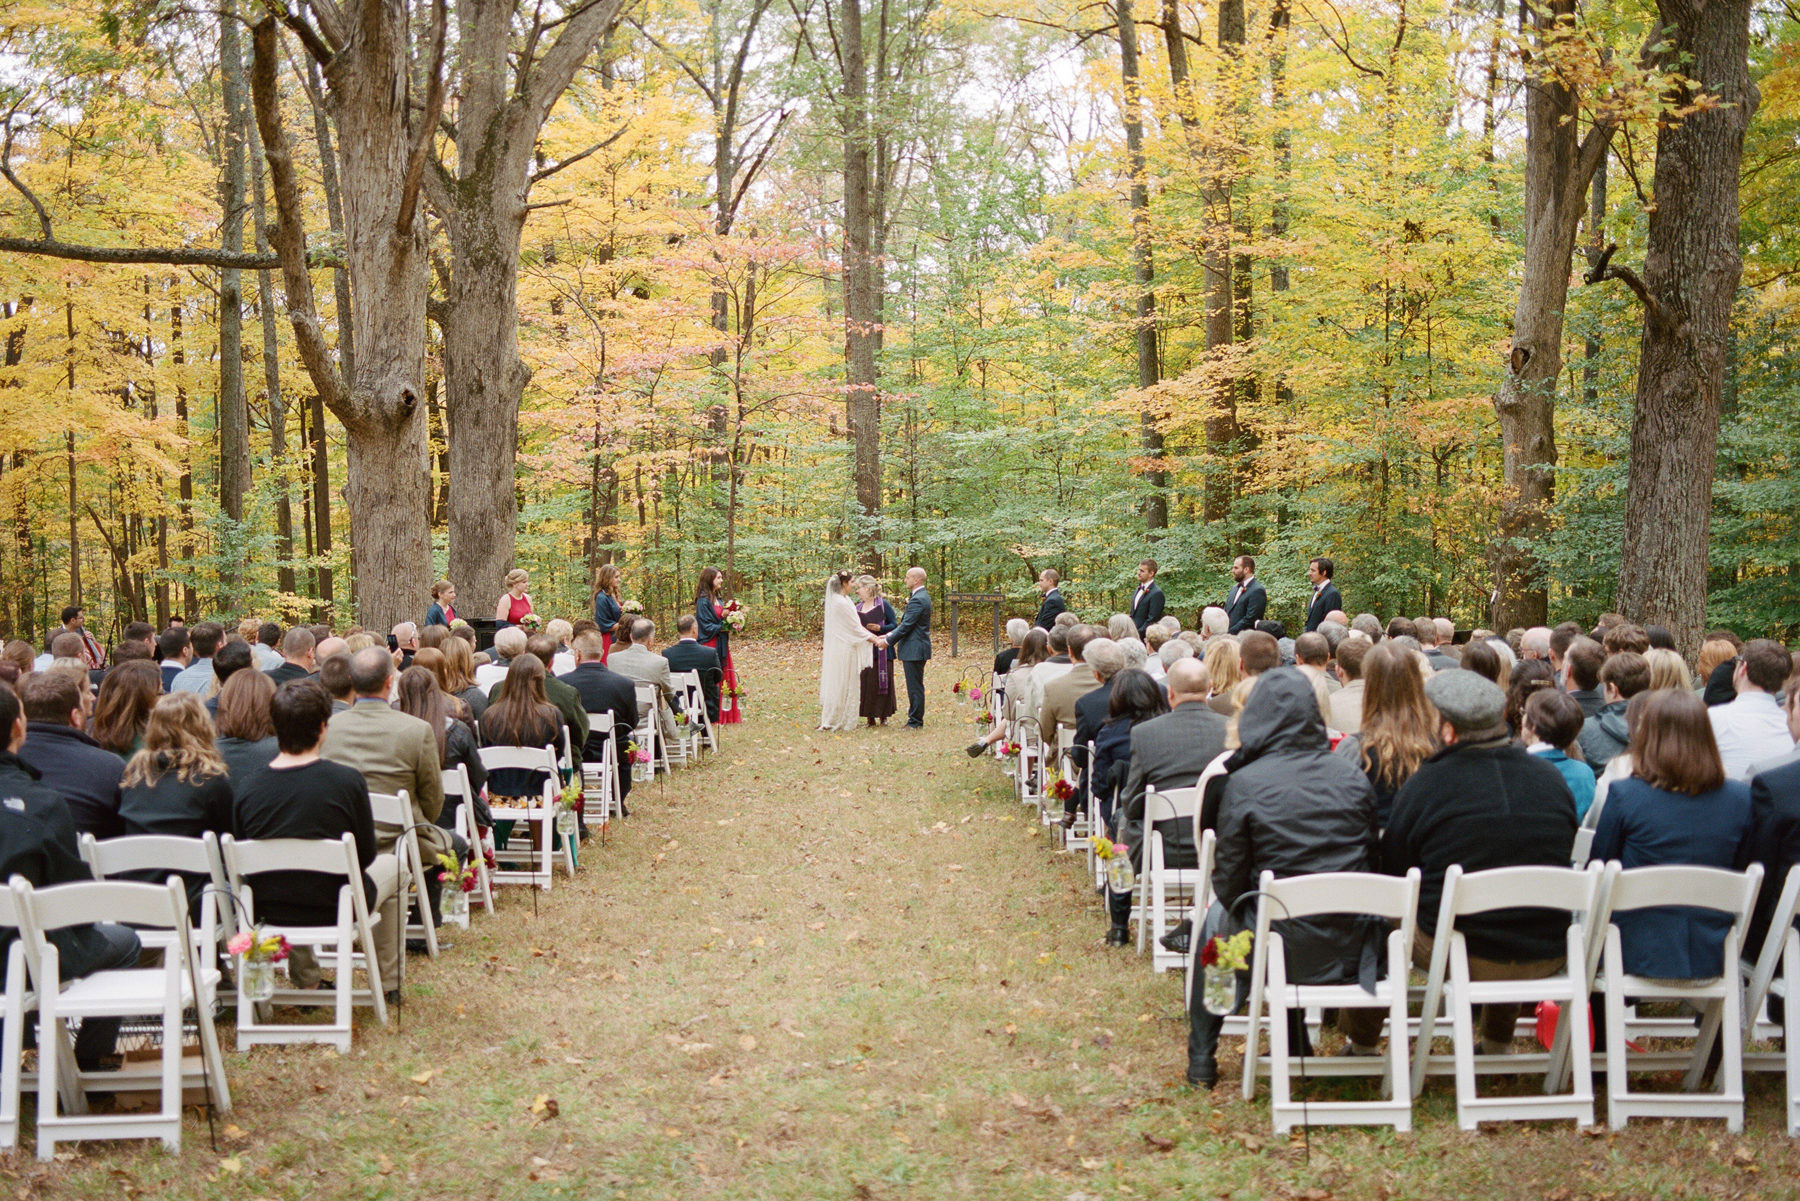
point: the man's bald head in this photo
(370, 668)
(1187, 680)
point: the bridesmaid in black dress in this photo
(877, 616)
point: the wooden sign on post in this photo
(958, 599)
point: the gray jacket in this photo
(1169, 752)
(1604, 736)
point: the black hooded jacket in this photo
(1293, 808)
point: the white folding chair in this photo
(1160, 886)
(118, 993)
(1207, 841)
(20, 999)
(1364, 894)
(346, 945)
(701, 731)
(534, 863)
(1780, 954)
(458, 788)
(393, 810)
(1027, 770)
(601, 791)
(164, 855)
(648, 734)
(1566, 890)
(1720, 999)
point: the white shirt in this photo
(1749, 729)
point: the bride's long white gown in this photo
(848, 649)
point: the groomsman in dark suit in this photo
(1248, 600)
(1147, 601)
(688, 655)
(1053, 602)
(1325, 595)
(911, 641)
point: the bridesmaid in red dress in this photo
(709, 612)
(515, 602)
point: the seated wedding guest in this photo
(1529, 677)
(1425, 629)
(603, 690)
(562, 661)
(1155, 638)
(1347, 702)
(265, 647)
(1024, 693)
(1548, 727)
(1581, 674)
(1482, 659)
(1661, 638)
(38, 842)
(177, 783)
(122, 707)
(1791, 709)
(1626, 637)
(334, 677)
(1753, 727)
(1133, 699)
(687, 654)
(1105, 658)
(1120, 625)
(1137, 658)
(69, 762)
(1481, 802)
(1311, 654)
(231, 658)
(1175, 649)
(433, 638)
(1774, 839)
(1535, 643)
(1715, 664)
(23, 659)
(197, 676)
(403, 641)
(1607, 732)
(1677, 806)
(1056, 663)
(522, 716)
(1213, 623)
(246, 734)
(1061, 693)
(1399, 726)
(636, 661)
(458, 678)
(1016, 630)
(327, 646)
(1162, 746)
(509, 644)
(1667, 669)
(418, 695)
(174, 652)
(1224, 668)
(1291, 807)
(558, 693)
(302, 795)
(296, 657)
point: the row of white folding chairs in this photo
(34, 985)
(531, 859)
(1595, 964)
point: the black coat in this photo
(1146, 608)
(242, 757)
(37, 841)
(1244, 609)
(1293, 808)
(80, 771)
(604, 690)
(185, 809)
(1484, 805)
(1327, 600)
(688, 655)
(1049, 609)
(1091, 713)
(1774, 842)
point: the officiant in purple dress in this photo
(876, 616)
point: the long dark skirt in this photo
(878, 688)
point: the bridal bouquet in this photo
(734, 615)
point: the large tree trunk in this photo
(265, 296)
(1691, 272)
(1215, 197)
(862, 397)
(1156, 500)
(234, 419)
(381, 405)
(1559, 162)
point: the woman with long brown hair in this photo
(709, 611)
(458, 676)
(1676, 807)
(421, 695)
(176, 784)
(122, 709)
(608, 609)
(246, 732)
(522, 716)
(1399, 726)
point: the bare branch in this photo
(434, 104)
(539, 176)
(686, 67)
(171, 256)
(43, 214)
(1602, 270)
(316, 45)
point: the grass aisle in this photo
(831, 966)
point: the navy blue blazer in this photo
(1327, 600)
(1049, 610)
(1148, 609)
(1645, 826)
(911, 639)
(1242, 612)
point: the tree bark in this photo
(379, 405)
(278, 450)
(233, 415)
(1692, 268)
(862, 393)
(1155, 503)
(1221, 414)
(1559, 162)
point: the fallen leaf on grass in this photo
(545, 1107)
(231, 1164)
(423, 1077)
(747, 1042)
(1158, 1144)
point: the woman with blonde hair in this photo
(1667, 670)
(609, 610)
(177, 783)
(1399, 726)
(514, 604)
(1224, 668)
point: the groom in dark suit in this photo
(1147, 601)
(1047, 582)
(911, 641)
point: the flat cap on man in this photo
(1468, 701)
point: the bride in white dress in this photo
(848, 649)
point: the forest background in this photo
(1232, 277)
